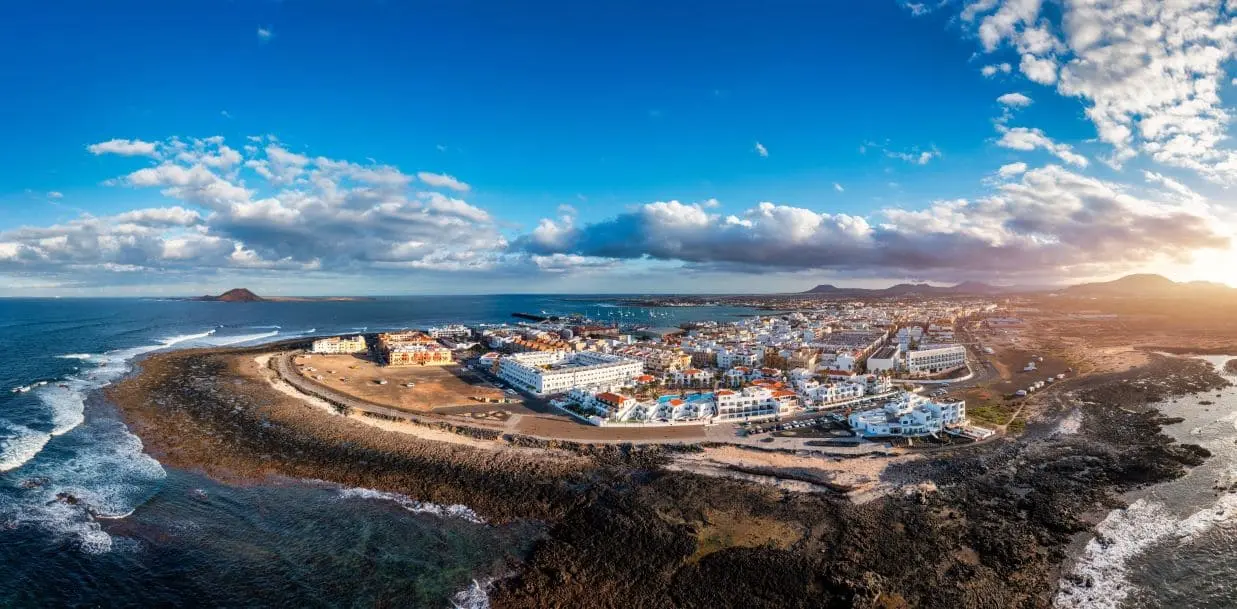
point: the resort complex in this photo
(861, 360)
(339, 345)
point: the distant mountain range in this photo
(1140, 285)
(1149, 286)
(913, 289)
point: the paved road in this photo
(573, 432)
(289, 375)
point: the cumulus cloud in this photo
(761, 150)
(441, 180)
(1149, 71)
(992, 70)
(277, 209)
(838, 187)
(1042, 70)
(1052, 221)
(1027, 139)
(123, 148)
(1016, 100)
(55, 194)
(1012, 169)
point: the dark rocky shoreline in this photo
(621, 530)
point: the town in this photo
(881, 369)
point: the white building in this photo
(935, 359)
(339, 344)
(729, 358)
(908, 415)
(545, 372)
(692, 377)
(455, 331)
(816, 394)
(753, 404)
(886, 359)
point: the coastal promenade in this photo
(538, 426)
(561, 428)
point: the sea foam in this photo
(462, 512)
(475, 596)
(1099, 578)
(19, 444)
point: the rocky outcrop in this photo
(622, 530)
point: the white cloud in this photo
(761, 150)
(1012, 169)
(1042, 70)
(915, 156)
(265, 34)
(123, 148)
(992, 70)
(1023, 138)
(442, 180)
(1016, 100)
(838, 187)
(1051, 222)
(281, 210)
(1149, 71)
(55, 194)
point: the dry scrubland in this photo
(433, 386)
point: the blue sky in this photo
(608, 108)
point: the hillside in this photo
(234, 295)
(1149, 286)
(908, 289)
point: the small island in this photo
(245, 295)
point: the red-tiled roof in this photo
(611, 398)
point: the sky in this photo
(303, 147)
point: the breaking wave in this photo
(237, 339)
(462, 512)
(475, 596)
(19, 444)
(1099, 578)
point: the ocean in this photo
(143, 534)
(1173, 545)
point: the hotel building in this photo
(338, 345)
(545, 372)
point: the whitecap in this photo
(462, 512)
(81, 356)
(106, 473)
(18, 445)
(1099, 577)
(67, 406)
(168, 342)
(475, 596)
(237, 339)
